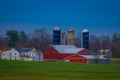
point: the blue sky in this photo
(100, 17)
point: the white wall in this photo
(11, 54)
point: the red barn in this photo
(67, 53)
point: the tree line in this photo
(40, 39)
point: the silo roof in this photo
(85, 30)
(70, 29)
(56, 28)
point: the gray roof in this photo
(24, 49)
(67, 49)
(94, 56)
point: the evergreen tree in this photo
(22, 39)
(12, 38)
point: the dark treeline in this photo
(38, 39)
(41, 38)
(103, 42)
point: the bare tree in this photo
(105, 42)
(22, 39)
(116, 45)
(94, 43)
(2, 42)
(40, 39)
(78, 40)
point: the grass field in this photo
(25, 70)
(115, 61)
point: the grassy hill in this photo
(25, 70)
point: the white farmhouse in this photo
(10, 54)
(28, 54)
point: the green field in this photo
(26, 70)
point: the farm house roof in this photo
(67, 49)
(24, 49)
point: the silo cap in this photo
(70, 29)
(85, 30)
(56, 28)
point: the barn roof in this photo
(67, 49)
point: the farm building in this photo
(28, 54)
(70, 53)
(10, 54)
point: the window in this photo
(15, 53)
(29, 54)
(10, 53)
